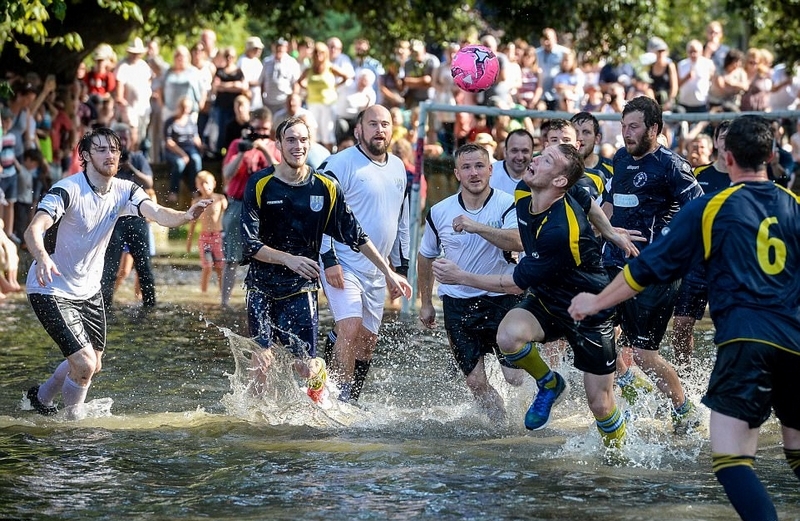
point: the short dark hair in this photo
(470, 147)
(262, 113)
(85, 144)
(583, 117)
(649, 108)
(750, 140)
(288, 123)
(520, 132)
(574, 168)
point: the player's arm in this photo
(587, 304)
(34, 239)
(618, 236)
(399, 254)
(427, 313)
(505, 239)
(398, 285)
(169, 217)
(448, 272)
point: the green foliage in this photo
(27, 18)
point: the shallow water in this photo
(184, 439)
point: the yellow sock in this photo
(529, 359)
(612, 428)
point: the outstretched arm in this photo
(169, 217)
(398, 285)
(587, 304)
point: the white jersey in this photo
(501, 179)
(470, 251)
(376, 193)
(84, 221)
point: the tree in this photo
(54, 36)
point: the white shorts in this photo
(362, 297)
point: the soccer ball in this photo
(475, 68)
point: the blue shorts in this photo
(72, 324)
(750, 379)
(292, 321)
(9, 187)
(644, 318)
(692, 300)
(471, 325)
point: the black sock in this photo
(359, 377)
(327, 351)
(745, 491)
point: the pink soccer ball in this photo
(475, 68)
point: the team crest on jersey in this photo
(494, 224)
(317, 202)
(400, 184)
(639, 179)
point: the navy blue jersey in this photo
(646, 194)
(292, 219)
(562, 254)
(748, 238)
(710, 179)
(594, 182)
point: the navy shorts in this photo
(471, 325)
(750, 379)
(72, 324)
(644, 318)
(592, 342)
(291, 321)
(692, 300)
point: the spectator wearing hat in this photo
(250, 65)
(486, 140)
(279, 75)
(640, 86)
(663, 73)
(134, 88)
(100, 78)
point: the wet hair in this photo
(520, 132)
(750, 140)
(574, 167)
(288, 123)
(85, 144)
(469, 148)
(649, 108)
(583, 117)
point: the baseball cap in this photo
(656, 44)
(254, 42)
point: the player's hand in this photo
(582, 306)
(198, 208)
(446, 271)
(398, 286)
(624, 239)
(462, 223)
(427, 315)
(335, 276)
(45, 270)
(303, 266)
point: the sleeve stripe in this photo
(626, 272)
(574, 234)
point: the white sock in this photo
(73, 393)
(50, 389)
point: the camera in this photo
(124, 156)
(248, 136)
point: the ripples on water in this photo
(186, 440)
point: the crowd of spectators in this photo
(190, 109)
